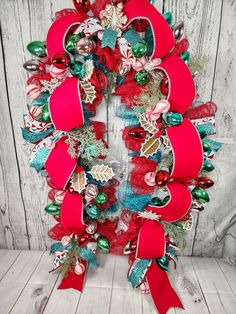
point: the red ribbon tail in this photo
(73, 281)
(164, 296)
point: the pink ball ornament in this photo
(150, 178)
(56, 72)
(35, 112)
(154, 112)
(33, 91)
(139, 64)
(59, 196)
(79, 268)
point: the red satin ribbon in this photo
(162, 34)
(161, 290)
(181, 84)
(65, 106)
(60, 165)
(58, 30)
(74, 281)
(72, 212)
(187, 150)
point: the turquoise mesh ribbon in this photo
(206, 128)
(41, 100)
(131, 201)
(40, 159)
(138, 272)
(128, 115)
(34, 137)
(89, 256)
(55, 247)
(109, 38)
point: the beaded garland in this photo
(126, 49)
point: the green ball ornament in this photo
(163, 262)
(168, 17)
(52, 209)
(71, 43)
(37, 48)
(173, 119)
(103, 244)
(93, 211)
(207, 166)
(139, 50)
(45, 113)
(142, 77)
(165, 200)
(186, 57)
(200, 195)
(101, 198)
(206, 146)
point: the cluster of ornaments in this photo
(104, 54)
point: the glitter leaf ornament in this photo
(102, 173)
(149, 126)
(89, 90)
(79, 181)
(150, 146)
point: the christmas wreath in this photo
(127, 49)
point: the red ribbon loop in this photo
(187, 150)
(162, 34)
(178, 205)
(60, 165)
(58, 30)
(147, 249)
(181, 84)
(66, 112)
(72, 212)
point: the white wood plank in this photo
(94, 300)
(37, 291)
(22, 268)
(186, 284)
(103, 275)
(31, 22)
(228, 268)
(62, 301)
(210, 275)
(220, 303)
(126, 301)
(148, 306)
(13, 228)
(16, 278)
(7, 258)
(32, 299)
(120, 273)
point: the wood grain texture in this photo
(23, 193)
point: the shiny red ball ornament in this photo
(204, 182)
(140, 25)
(82, 5)
(164, 86)
(61, 60)
(162, 177)
(137, 134)
(84, 238)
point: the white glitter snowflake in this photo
(149, 215)
(113, 17)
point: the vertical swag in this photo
(100, 49)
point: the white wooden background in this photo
(211, 28)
